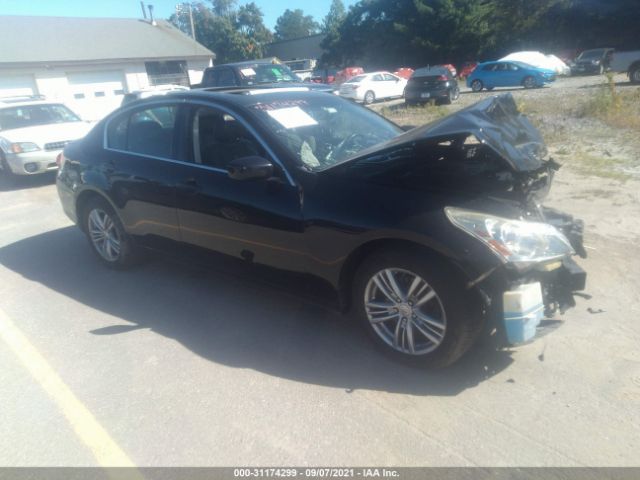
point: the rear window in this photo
(357, 79)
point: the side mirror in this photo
(250, 168)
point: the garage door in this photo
(17, 85)
(95, 94)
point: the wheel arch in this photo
(364, 251)
(83, 198)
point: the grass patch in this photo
(414, 115)
(598, 166)
(619, 109)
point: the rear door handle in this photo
(189, 186)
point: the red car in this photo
(450, 67)
(467, 69)
(404, 72)
(347, 73)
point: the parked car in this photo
(369, 87)
(151, 91)
(436, 83)
(590, 62)
(539, 60)
(266, 72)
(508, 74)
(451, 68)
(347, 74)
(323, 75)
(404, 72)
(627, 62)
(425, 236)
(33, 133)
(466, 69)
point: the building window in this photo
(78, 96)
(170, 72)
(118, 92)
(98, 94)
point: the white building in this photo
(90, 63)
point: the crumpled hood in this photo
(494, 121)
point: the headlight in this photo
(513, 241)
(595, 62)
(24, 147)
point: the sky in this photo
(272, 9)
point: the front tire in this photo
(476, 86)
(529, 82)
(369, 98)
(415, 308)
(5, 172)
(107, 236)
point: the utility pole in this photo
(180, 10)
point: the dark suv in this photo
(265, 72)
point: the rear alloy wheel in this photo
(529, 82)
(476, 86)
(369, 97)
(107, 236)
(415, 310)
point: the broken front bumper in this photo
(517, 300)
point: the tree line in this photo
(391, 33)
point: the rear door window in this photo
(148, 131)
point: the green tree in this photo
(334, 18)
(231, 34)
(295, 24)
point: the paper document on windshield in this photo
(248, 72)
(292, 117)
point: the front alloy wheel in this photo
(416, 307)
(405, 311)
(529, 82)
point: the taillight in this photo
(60, 160)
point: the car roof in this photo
(436, 70)
(240, 97)
(5, 103)
(270, 60)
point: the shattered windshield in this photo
(321, 132)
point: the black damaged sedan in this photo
(429, 237)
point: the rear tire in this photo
(443, 327)
(369, 98)
(634, 75)
(107, 236)
(476, 86)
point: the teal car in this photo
(508, 74)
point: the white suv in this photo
(33, 133)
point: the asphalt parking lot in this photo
(172, 365)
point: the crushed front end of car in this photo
(535, 245)
(487, 170)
